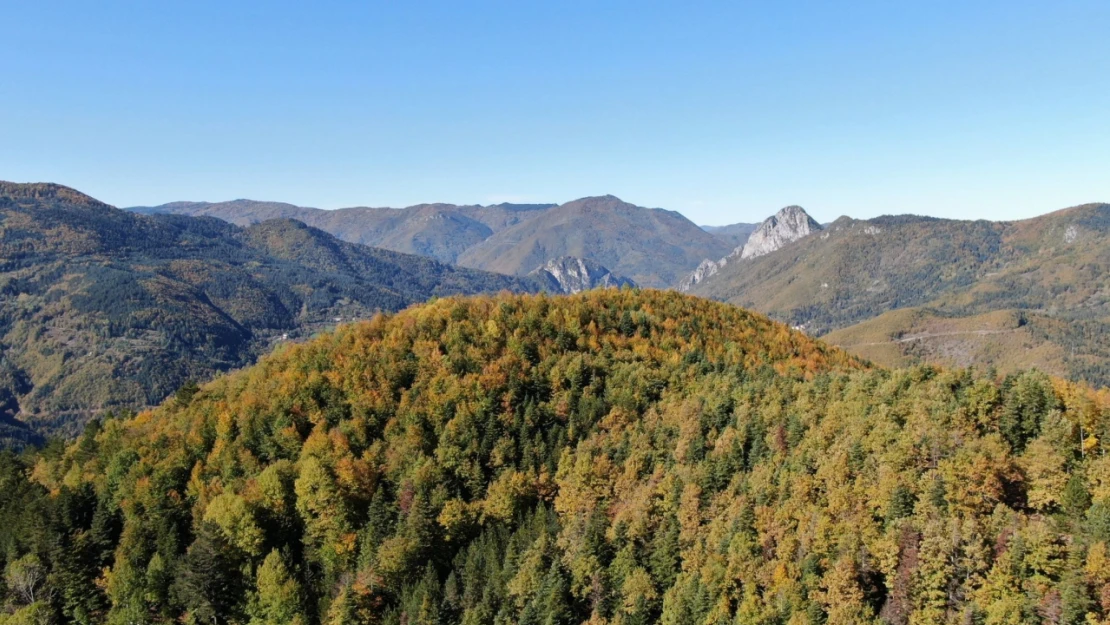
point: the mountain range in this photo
(904, 289)
(652, 247)
(611, 456)
(105, 309)
(897, 289)
(94, 292)
(441, 231)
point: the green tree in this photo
(210, 583)
(278, 598)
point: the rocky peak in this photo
(571, 274)
(704, 270)
(787, 225)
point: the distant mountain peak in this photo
(653, 247)
(789, 224)
(572, 274)
(591, 200)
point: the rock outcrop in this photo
(570, 274)
(704, 270)
(787, 225)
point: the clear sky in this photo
(724, 111)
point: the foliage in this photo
(101, 309)
(611, 457)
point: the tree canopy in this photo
(616, 457)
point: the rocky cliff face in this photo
(787, 225)
(570, 274)
(704, 270)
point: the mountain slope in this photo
(610, 457)
(106, 309)
(1053, 267)
(653, 247)
(440, 231)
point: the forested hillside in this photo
(102, 309)
(1050, 272)
(610, 457)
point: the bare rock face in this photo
(570, 274)
(704, 270)
(786, 226)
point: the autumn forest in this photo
(617, 457)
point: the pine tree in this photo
(210, 583)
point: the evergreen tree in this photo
(210, 583)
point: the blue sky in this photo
(723, 111)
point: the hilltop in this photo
(105, 309)
(609, 457)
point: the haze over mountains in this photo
(734, 234)
(652, 247)
(441, 231)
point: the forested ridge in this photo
(102, 309)
(611, 457)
